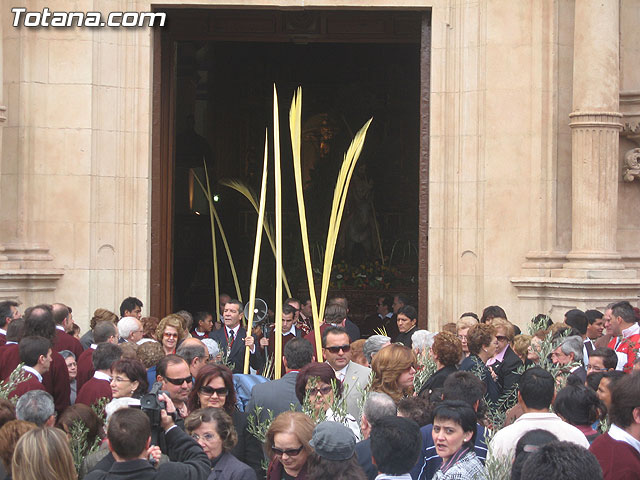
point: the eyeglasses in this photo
(344, 348)
(179, 381)
(120, 379)
(207, 390)
(170, 335)
(291, 452)
(323, 391)
(207, 437)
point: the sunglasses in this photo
(313, 392)
(344, 348)
(501, 338)
(291, 452)
(207, 390)
(170, 335)
(179, 381)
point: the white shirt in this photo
(3, 332)
(291, 331)
(102, 376)
(384, 476)
(60, 327)
(342, 374)
(33, 371)
(621, 435)
(235, 336)
(504, 442)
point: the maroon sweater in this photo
(31, 383)
(85, 367)
(94, 390)
(619, 460)
(64, 341)
(55, 381)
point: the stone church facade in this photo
(530, 167)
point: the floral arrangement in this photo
(373, 275)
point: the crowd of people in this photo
(140, 397)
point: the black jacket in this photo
(437, 379)
(236, 355)
(506, 370)
(188, 462)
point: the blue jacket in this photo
(429, 462)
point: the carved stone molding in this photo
(630, 108)
(631, 165)
(26, 272)
(577, 291)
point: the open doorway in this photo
(216, 81)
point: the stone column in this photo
(595, 124)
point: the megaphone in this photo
(260, 311)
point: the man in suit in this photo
(577, 319)
(569, 351)
(39, 321)
(129, 438)
(377, 406)
(289, 332)
(278, 396)
(505, 362)
(64, 321)
(233, 339)
(8, 312)
(99, 386)
(130, 329)
(35, 353)
(336, 350)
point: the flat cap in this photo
(333, 441)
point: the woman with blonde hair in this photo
(170, 332)
(394, 368)
(287, 446)
(43, 453)
(463, 325)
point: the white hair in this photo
(373, 344)
(422, 339)
(127, 325)
(212, 346)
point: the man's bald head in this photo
(195, 353)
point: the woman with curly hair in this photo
(213, 388)
(447, 352)
(394, 368)
(483, 344)
(317, 383)
(170, 332)
(287, 446)
(213, 429)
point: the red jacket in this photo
(628, 346)
(64, 341)
(618, 460)
(55, 381)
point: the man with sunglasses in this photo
(176, 379)
(336, 350)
